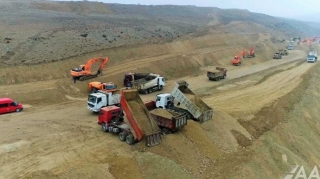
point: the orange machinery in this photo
(85, 73)
(95, 86)
(237, 59)
(251, 53)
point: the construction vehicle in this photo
(195, 108)
(221, 73)
(137, 122)
(251, 53)
(283, 52)
(277, 55)
(144, 82)
(95, 86)
(112, 119)
(290, 47)
(168, 120)
(237, 59)
(312, 57)
(101, 99)
(84, 71)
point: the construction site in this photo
(133, 91)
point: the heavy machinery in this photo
(251, 53)
(277, 55)
(144, 82)
(168, 120)
(101, 99)
(132, 121)
(283, 52)
(84, 71)
(237, 59)
(312, 57)
(195, 108)
(137, 122)
(221, 73)
(95, 86)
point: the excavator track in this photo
(87, 77)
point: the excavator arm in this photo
(84, 72)
(103, 61)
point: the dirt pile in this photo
(145, 122)
(162, 112)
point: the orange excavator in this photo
(237, 59)
(85, 73)
(251, 53)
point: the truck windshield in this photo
(158, 98)
(14, 103)
(310, 56)
(92, 99)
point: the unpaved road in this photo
(64, 136)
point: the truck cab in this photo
(102, 99)
(163, 100)
(110, 114)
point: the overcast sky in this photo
(281, 8)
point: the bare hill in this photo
(47, 31)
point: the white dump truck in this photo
(101, 99)
(312, 57)
(190, 102)
(144, 82)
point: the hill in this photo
(56, 31)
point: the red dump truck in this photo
(132, 121)
(221, 73)
(169, 121)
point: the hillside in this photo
(55, 31)
(265, 110)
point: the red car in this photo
(8, 105)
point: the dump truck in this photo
(312, 57)
(195, 108)
(144, 82)
(169, 121)
(139, 118)
(277, 55)
(221, 73)
(95, 86)
(101, 99)
(283, 52)
(113, 120)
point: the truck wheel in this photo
(160, 88)
(130, 139)
(18, 110)
(104, 127)
(122, 136)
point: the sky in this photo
(281, 8)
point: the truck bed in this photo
(194, 104)
(139, 112)
(162, 112)
(144, 121)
